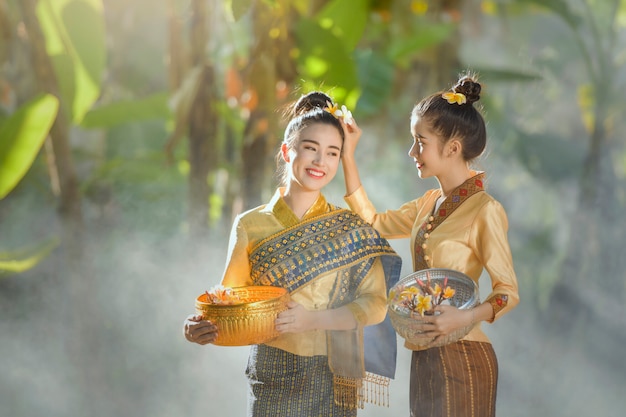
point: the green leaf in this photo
(75, 40)
(23, 259)
(346, 20)
(498, 74)
(323, 57)
(21, 137)
(238, 8)
(114, 114)
(375, 73)
(424, 36)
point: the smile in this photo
(315, 173)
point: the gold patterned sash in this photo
(338, 241)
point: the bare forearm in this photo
(482, 312)
(335, 319)
(298, 319)
(351, 174)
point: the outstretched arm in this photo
(352, 134)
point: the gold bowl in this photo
(250, 320)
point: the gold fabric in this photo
(250, 227)
(472, 238)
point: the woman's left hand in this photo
(295, 319)
(448, 320)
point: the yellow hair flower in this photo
(332, 108)
(452, 97)
(344, 113)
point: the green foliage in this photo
(346, 20)
(21, 137)
(323, 57)
(136, 180)
(559, 7)
(375, 75)
(428, 34)
(128, 111)
(74, 33)
(237, 8)
(23, 259)
(505, 75)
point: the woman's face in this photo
(313, 161)
(426, 150)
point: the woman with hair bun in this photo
(333, 339)
(456, 226)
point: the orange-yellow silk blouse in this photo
(473, 237)
(368, 307)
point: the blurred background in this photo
(131, 133)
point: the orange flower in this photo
(448, 293)
(436, 291)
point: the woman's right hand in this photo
(199, 331)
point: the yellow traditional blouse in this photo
(369, 306)
(472, 237)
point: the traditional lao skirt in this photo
(287, 385)
(455, 380)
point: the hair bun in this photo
(469, 87)
(311, 101)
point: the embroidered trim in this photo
(335, 240)
(498, 302)
(470, 187)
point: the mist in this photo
(144, 283)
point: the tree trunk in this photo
(177, 64)
(259, 134)
(202, 147)
(70, 202)
(590, 293)
(202, 125)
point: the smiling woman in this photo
(458, 227)
(336, 269)
(313, 163)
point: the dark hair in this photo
(306, 111)
(461, 121)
